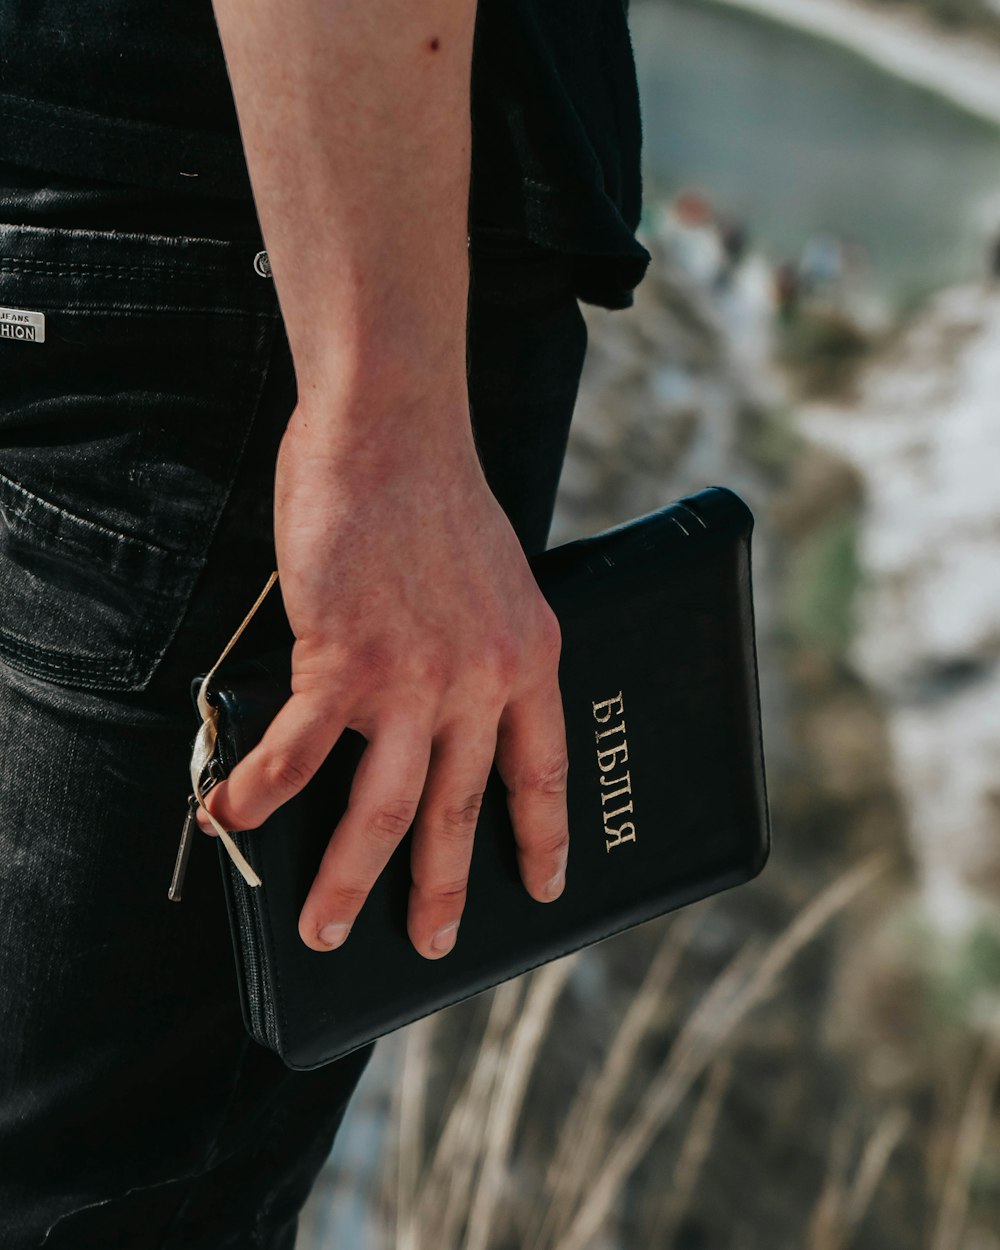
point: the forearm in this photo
(355, 122)
(418, 622)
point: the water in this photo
(796, 135)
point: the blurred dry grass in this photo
(453, 1194)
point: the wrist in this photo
(386, 328)
(369, 439)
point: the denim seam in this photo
(46, 304)
(27, 652)
(117, 306)
(66, 269)
(31, 501)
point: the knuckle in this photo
(391, 820)
(451, 891)
(344, 898)
(547, 777)
(553, 846)
(549, 636)
(284, 772)
(459, 820)
(432, 669)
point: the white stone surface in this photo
(925, 437)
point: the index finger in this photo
(293, 746)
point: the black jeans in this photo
(137, 448)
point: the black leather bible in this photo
(666, 793)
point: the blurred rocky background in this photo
(810, 1061)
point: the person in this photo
(286, 286)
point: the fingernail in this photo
(554, 886)
(334, 934)
(444, 939)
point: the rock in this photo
(923, 435)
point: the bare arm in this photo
(355, 122)
(417, 620)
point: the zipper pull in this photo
(214, 774)
(183, 851)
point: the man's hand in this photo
(418, 624)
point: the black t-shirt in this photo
(135, 92)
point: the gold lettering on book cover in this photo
(615, 780)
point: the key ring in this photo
(202, 757)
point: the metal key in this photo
(183, 851)
(186, 842)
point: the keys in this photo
(183, 851)
(187, 835)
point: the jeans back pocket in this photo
(121, 432)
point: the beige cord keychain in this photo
(201, 756)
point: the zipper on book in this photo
(260, 1000)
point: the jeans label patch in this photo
(22, 324)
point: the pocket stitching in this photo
(21, 653)
(174, 573)
(60, 515)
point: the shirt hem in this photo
(82, 144)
